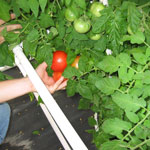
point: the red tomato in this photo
(59, 62)
(57, 75)
(75, 63)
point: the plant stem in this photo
(58, 4)
(146, 44)
(144, 5)
(136, 126)
(145, 67)
(139, 145)
(133, 69)
(130, 86)
(24, 28)
(120, 91)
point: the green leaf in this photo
(46, 21)
(33, 35)
(109, 64)
(84, 90)
(11, 37)
(134, 16)
(132, 116)
(113, 145)
(126, 102)
(91, 121)
(24, 5)
(140, 58)
(146, 91)
(99, 25)
(84, 104)
(70, 72)
(147, 52)
(81, 3)
(4, 10)
(6, 56)
(67, 2)
(44, 53)
(135, 141)
(147, 123)
(114, 37)
(137, 38)
(125, 74)
(125, 59)
(116, 127)
(140, 132)
(36, 132)
(34, 5)
(108, 85)
(146, 77)
(30, 47)
(16, 8)
(77, 36)
(100, 45)
(71, 87)
(43, 4)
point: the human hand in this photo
(49, 81)
(9, 27)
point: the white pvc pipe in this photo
(46, 112)
(66, 128)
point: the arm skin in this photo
(11, 89)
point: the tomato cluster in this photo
(59, 63)
(82, 24)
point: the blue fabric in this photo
(4, 120)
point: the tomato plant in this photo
(59, 62)
(57, 75)
(75, 63)
(115, 86)
(96, 7)
(82, 25)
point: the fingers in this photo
(12, 16)
(1, 22)
(63, 85)
(11, 27)
(58, 85)
(1, 39)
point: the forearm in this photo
(11, 89)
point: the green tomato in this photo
(70, 15)
(82, 25)
(129, 30)
(96, 7)
(95, 37)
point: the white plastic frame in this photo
(62, 127)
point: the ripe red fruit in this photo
(57, 75)
(59, 62)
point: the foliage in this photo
(116, 87)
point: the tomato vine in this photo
(116, 87)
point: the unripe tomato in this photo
(82, 25)
(75, 63)
(96, 7)
(70, 15)
(129, 30)
(57, 75)
(95, 37)
(59, 62)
